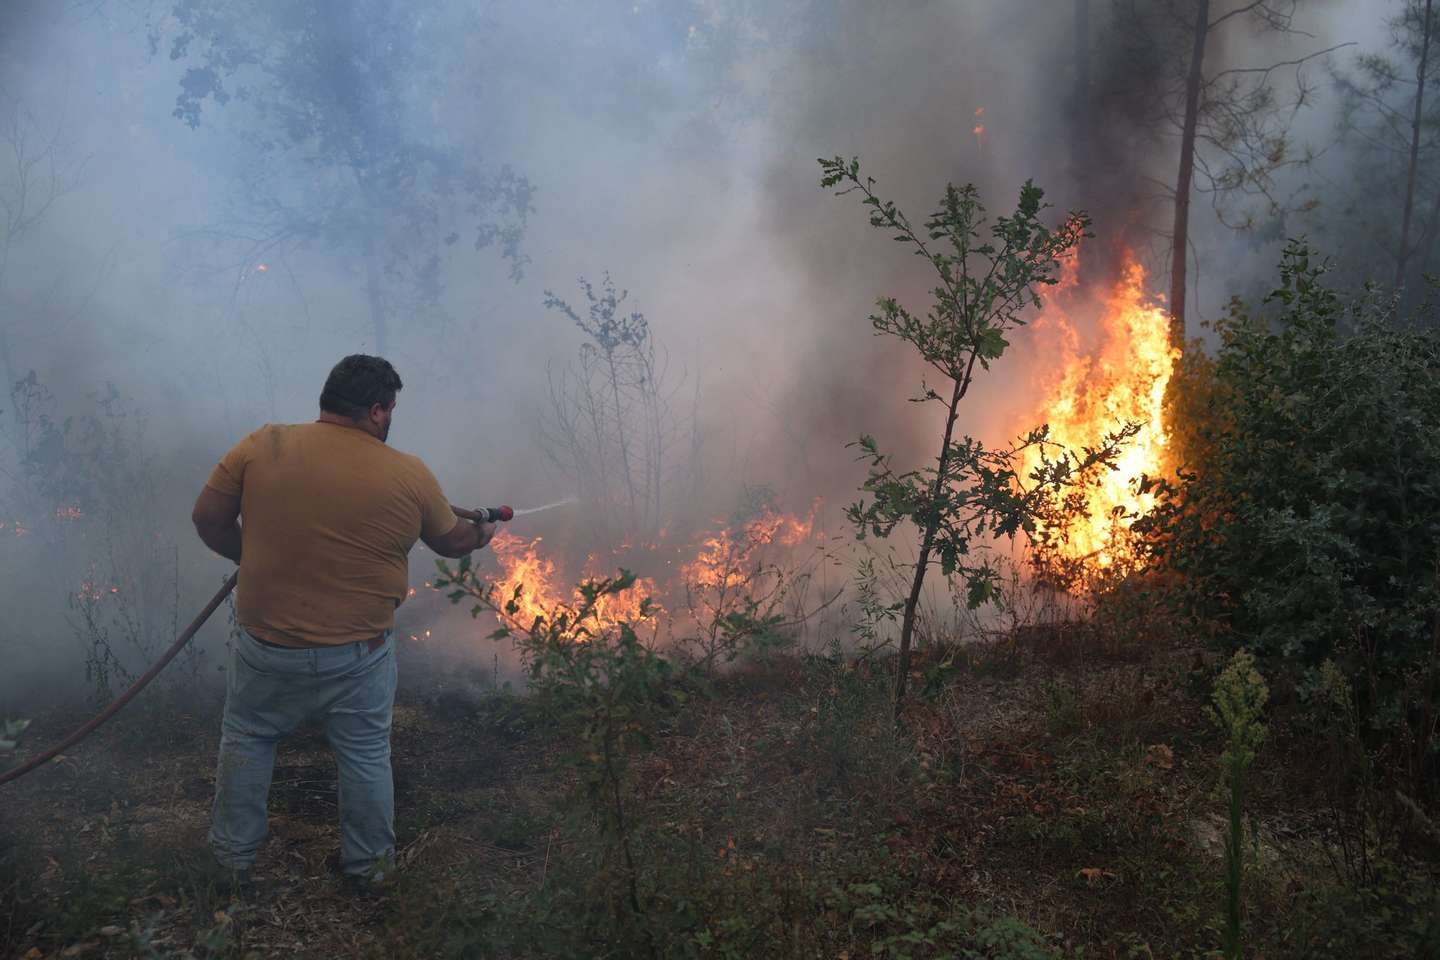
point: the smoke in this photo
(671, 143)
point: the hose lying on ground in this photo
(486, 514)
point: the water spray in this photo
(549, 506)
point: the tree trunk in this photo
(1081, 107)
(372, 289)
(1180, 241)
(1432, 231)
(7, 362)
(1403, 259)
(624, 443)
(927, 542)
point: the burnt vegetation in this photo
(942, 731)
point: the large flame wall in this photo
(1091, 393)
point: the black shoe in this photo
(374, 882)
(373, 885)
(225, 881)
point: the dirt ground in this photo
(1078, 798)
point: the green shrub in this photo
(604, 692)
(1305, 523)
(910, 926)
(1395, 915)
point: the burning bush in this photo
(735, 590)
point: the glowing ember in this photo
(1095, 393)
(93, 592)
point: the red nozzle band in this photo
(505, 513)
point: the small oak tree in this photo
(989, 274)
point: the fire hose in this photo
(481, 515)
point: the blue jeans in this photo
(270, 692)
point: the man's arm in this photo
(461, 539)
(216, 517)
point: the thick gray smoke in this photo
(671, 143)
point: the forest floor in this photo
(1044, 800)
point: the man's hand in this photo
(462, 538)
(216, 517)
(484, 533)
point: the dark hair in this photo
(357, 383)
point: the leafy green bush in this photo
(1395, 915)
(908, 927)
(604, 691)
(1305, 525)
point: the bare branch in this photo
(1266, 11)
(1265, 72)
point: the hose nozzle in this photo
(485, 514)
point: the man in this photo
(320, 517)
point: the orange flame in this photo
(723, 560)
(529, 580)
(1095, 393)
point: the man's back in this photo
(320, 517)
(329, 514)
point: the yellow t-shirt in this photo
(328, 515)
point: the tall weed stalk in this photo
(1239, 698)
